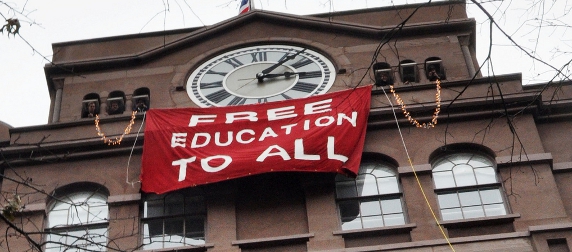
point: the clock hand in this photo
(261, 75)
(285, 74)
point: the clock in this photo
(260, 74)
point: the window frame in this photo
(458, 190)
(364, 199)
(97, 230)
(147, 242)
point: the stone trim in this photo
(189, 248)
(472, 222)
(381, 230)
(507, 161)
(116, 200)
(550, 227)
(277, 240)
(562, 167)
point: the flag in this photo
(244, 7)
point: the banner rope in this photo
(411, 162)
(132, 183)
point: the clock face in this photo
(260, 74)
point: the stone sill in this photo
(467, 223)
(188, 248)
(381, 230)
(271, 241)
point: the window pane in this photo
(98, 214)
(372, 221)
(194, 228)
(443, 165)
(444, 179)
(394, 219)
(448, 200)
(478, 161)
(387, 185)
(153, 228)
(491, 196)
(153, 208)
(391, 206)
(351, 224)
(78, 215)
(486, 175)
(495, 209)
(473, 212)
(464, 175)
(174, 226)
(451, 214)
(368, 186)
(346, 189)
(370, 208)
(174, 204)
(58, 218)
(194, 205)
(461, 158)
(470, 198)
(349, 209)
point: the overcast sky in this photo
(24, 98)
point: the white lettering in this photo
(267, 153)
(194, 143)
(351, 120)
(182, 163)
(288, 128)
(201, 118)
(228, 139)
(299, 151)
(240, 133)
(205, 163)
(268, 132)
(329, 121)
(331, 154)
(245, 115)
(281, 113)
(178, 140)
(317, 107)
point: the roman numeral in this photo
(215, 72)
(218, 96)
(216, 84)
(313, 74)
(258, 56)
(286, 97)
(304, 87)
(237, 101)
(301, 63)
(262, 100)
(234, 62)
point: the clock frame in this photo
(260, 74)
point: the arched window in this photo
(467, 186)
(434, 69)
(116, 103)
(90, 105)
(78, 220)
(373, 199)
(174, 219)
(140, 100)
(408, 71)
(383, 74)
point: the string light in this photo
(117, 140)
(412, 120)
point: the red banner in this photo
(193, 146)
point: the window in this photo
(408, 71)
(467, 187)
(174, 219)
(116, 103)
(90, 105)
(383, 74)
(371, 200)
(434, 69)
(140, 100)
(78, 221)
